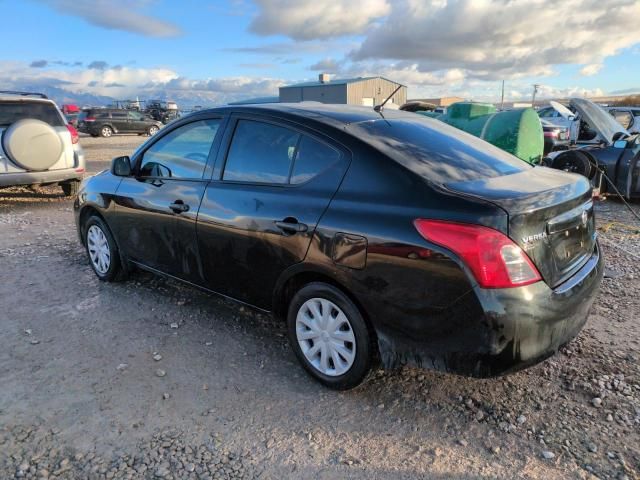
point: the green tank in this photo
(517, 131)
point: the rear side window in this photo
(312, 158)
(181, 153)
(261, 153)
(266, 153)
(436, 151)
(11, 112)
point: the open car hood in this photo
(598, 119)
(562, 110)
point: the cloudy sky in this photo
(247, 48)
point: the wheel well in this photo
(299, 280)
(84, 216)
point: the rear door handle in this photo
(179, 206)
(291, 225)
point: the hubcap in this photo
(325, 337)
(106, 132)
(153, 130)
(98, 248)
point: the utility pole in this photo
(502, 97)
(535, 90)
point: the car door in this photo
(120, 121)
(136, 122)
(157, 206)
(272, 183)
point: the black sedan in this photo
(376, 236)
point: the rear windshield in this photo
(11, 112)
(436, 151)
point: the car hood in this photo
(598, 119)
(562, 110)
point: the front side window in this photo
(118, 115)
(261, 153)
(181, 153)
(136, 116)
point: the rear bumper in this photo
(47, 176)
(493, 332)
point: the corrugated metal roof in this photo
(337, 81)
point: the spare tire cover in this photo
(32, 144)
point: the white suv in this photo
(37, 145)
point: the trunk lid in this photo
(550, 216)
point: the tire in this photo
(94, 230)
(32, 145)
(355, 348)
(153, 129)
(574, 161)
(106, 131)
(70, 188)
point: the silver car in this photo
(37, 145)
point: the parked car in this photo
(396, 237)
(38, 146)
(105, 122)
(556, 137)
(617, 156)
(628, 117)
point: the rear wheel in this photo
(106, 131)
(102, 250)
(329, 336)
(70, 188)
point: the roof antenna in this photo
(378, 108)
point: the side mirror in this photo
(620, 144)
(121, 166)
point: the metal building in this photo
(368, 91)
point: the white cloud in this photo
(126, 82)
(326, 65)
(591, 69)
(488, 40)
(313, 19)
(122, 15)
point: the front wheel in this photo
(153, 129)
(102, 250)
(329, 336)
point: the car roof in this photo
(336, 115)
(9, 97)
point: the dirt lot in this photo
(150, 379)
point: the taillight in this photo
(74, 134)
(90, 119)
(493, 258)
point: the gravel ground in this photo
(151, 379)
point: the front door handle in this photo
(291, 226)
(179, 206)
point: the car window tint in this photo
(546, 113)
(623, 117)
(181, 153)
(437, 151)
(312, 158)
(260, 152)
(119, 115)
(13, 111)
(136, 116)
